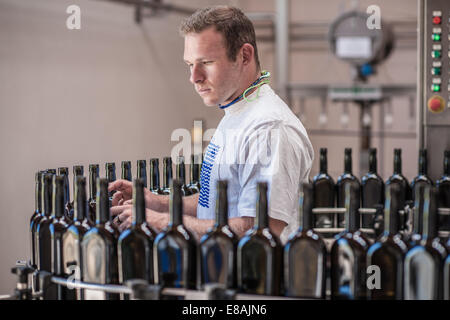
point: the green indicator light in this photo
(435, 88)
(436, 53)
(436, 37)
(436, 71)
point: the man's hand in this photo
(124, 191)
(122, 214)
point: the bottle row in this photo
(370, 189)
(395, 266)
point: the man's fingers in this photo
(119, 210)
(128, 202)
(116, 198)
(121, 185)
(125, 224)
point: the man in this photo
(258, 139)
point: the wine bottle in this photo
(154, 176)
(36, 217)
(43, 237)
(348, 253)
(181, 175)
(194, 184)
(443, 186)
(218, 246)
(135, 245)
(58, 227)
(372, 189)
(260, 254)
(72, 259)
(416, 235)
(421, 178)
(175, 248)
(126, 170)
(388, 252)
(110, 168)
(324, 192)
(167, 175)
(447, 274)
(94, 173)
(398, 179)
(346, 178)
(141, 172)
(305, 254)
(99, 249)
(424, 262)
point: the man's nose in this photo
(197, 75)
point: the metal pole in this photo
(282, 47)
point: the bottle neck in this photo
(167, 171)
(126, 171)
(181, 172)
(47, 194)
(391, 208)
(222, 204)
(348, 162)
(154, 174)
(110, 172)
(93, 175)
(58, 196)
(418, 210)
(138, 202)
(142, 171)
(323, 162)
(175, 205)
(306, 206)
(38, 193)
(262, 219)
(80, 199)
(373, 162)
(351, 206)
(397, 162)
(102, 206)
(423, 163)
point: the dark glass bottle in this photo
(344, 179)
(181, 175)
(36, 217)
(260, 254)
(43, 236)
(141, 171)
(425, 261)
(99, 249)
(175, 248)
(388, 252)
(443, 186)
(421, 178)
(398, 179)
(447, 274)
(324, 192)
(57, 229)
(372, 189)
(68, 205)
(218, 246)
(94, 173)
(154, 176)
(305, 254)
(167, 175)
(194, 184)
(72, 258)
(110, 169)
(135, 245)
(126, 171)
(348, 254)
(416, 235)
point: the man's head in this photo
(220, 49)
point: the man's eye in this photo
(207, 62)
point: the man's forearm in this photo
(160, 203)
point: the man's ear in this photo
(247, 52)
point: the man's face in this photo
(215, 77)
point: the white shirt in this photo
(257, 140)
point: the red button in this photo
(436, 104)
(436, 20)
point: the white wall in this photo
(115, 91)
